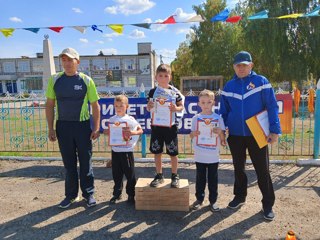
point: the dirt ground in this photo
(31, 190)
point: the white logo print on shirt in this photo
(77, 87)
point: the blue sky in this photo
(165, 39)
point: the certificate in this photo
(207, 137)
(116, 137)
(259, 127)
(162, 116)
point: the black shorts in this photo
(161, 135)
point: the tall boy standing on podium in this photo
(244, 96)
(161, 134)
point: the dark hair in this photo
(163, 68)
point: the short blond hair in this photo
(206, 93)
(165, 68)
(121, 98)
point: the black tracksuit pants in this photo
(123, 164)
(260, 161)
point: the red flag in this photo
(234, 19)
(56, 29)
(169, 20)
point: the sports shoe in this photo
(158, 179)
(214, 207)
(91, 201)
(67, 202)
(115, 198)
(196, 205)
(236, 203)
(268, 214)
(131, 199)
(175, 180)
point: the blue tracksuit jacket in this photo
(244, 98)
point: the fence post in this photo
(144, 136)
(317, 124)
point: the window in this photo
(130, 81)
(144, 66)
(9, 67)
(113, 64)
(98, 64)
(129, 64)
(23, 66)
(57, 65)
(37, 65)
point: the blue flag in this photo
(222, 16)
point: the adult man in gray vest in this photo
(70, 91)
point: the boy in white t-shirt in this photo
(122, 156)
(206, 156)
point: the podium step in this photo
(164, 197)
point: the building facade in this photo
(109, 72)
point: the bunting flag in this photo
(313, 13)
(142, 25)
(197, 18)
(222, 16)
(116, 27)
(260, 15)
(7, 32)
(234, 19)
(294, 15)
(56, 29)
(34, 30)
(169, 20)
(80, 29)
(311, 100)
(95, 28)
(296, 99)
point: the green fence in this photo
(23, 129)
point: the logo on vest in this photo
(77, 87)
(251, 86)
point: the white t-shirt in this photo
(133, 124)
(206, 154)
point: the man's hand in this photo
(272, 138)
(94, 135)
(52, 135)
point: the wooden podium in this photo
(164, 197)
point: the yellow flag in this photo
(294, 15)
(116, 27)
(7, 32)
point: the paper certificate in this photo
(207, 137)
(264, 122)
(116, 137)
(259, 127)
(162, 116)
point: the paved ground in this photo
(30, 192)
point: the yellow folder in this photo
(257, 131)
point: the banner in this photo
(138, 110)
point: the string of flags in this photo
(223, 16)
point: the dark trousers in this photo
(260, 161)
(74, 143)
(205, 170)
(123, 164)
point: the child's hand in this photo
(126, 133)
(194, 134)
(173, 107)
(150, 105)
(106, 131)
(216, 130)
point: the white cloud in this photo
(167, 55)
(108, 51)
(181, 16)
(129, 7)
(158, 27)
(83, 40)
(183, 30)
(77, 10)
(99, 41)
(111, 35)
(15, 19)
(137, 34)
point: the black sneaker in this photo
(158, 179)
(131, 199)
(214, 207)
(268, 214)
(196, 205)
(236, 203)
(175, 180)
(115, 198)
(67, 202)
(91, 201)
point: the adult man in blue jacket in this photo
(244, 96)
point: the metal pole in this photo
(144, 136)
(317, 124)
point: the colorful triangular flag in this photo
(56, 29)
(116, 27)
(313, 13)
(260, 15)
(234, 19)
(169, 20)
(95, 28)
(143, 25)
(80, 28)
(294, 15)
(34, 30)
(222, 16)
(197, 18)
(7, 32)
